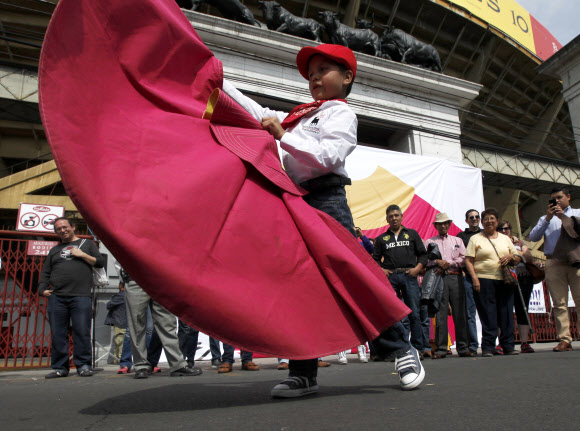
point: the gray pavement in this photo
(528, 392)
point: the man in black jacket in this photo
(66, 280)
(117, 318)
(472, 220)
(402, 255)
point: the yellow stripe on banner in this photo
(368, 199)
(506, 15)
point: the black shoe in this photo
(85, 371)
(143, 373)
(296, 386)
(186, 371)
(487, 353)
(216, 363)
(56, 374)
(191, 364)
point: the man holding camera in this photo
(559, 274)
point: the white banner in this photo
(444, 185)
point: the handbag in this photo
(100, 278)
(537, 274)
(508, 271)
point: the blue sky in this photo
(560, 17)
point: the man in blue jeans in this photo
(66, 280)
(188, 338)
(228, 357)
(472, 220)
(402, 255)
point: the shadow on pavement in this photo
(175, 398)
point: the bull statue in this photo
(230, 9)
(365, 23)
(399, 46)
(184, 4)
(279, 19)
(189, 4)
(362, 40)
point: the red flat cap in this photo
(340, 54)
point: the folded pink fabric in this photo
(201, 214)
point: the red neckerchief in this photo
(301, 110)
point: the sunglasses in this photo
(473, 217)
(504, 228)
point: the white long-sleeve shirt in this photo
(550, 230)
(318, 144)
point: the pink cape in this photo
(201, 214)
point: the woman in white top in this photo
(486, 253)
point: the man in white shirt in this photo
(559, 275)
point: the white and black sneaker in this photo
(342, 360)
(362, 353)
(410, 370)
(295, 386)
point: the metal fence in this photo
(544, 325)
(25, 332)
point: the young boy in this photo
(315, 140)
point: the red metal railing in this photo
(544, 325)
(24, 330)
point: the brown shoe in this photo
(323, 364)
(250, 366)
(283, 366)
(563, 346)
(467, 354)
(225, 368)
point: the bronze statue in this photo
(365, 23)
(279, 19)
(189, 4)
(399, 46)
(362, 40)
(230, 9)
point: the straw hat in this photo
(442, 218)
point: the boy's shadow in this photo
(175, 398)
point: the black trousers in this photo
(495, 305)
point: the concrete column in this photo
(352, 10)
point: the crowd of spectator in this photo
(484, 268)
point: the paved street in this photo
(529, 392)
